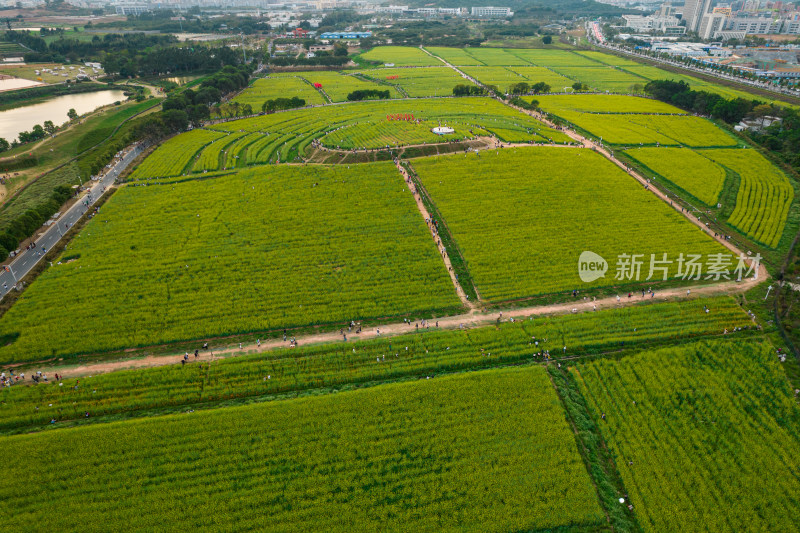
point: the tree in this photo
(3, 145)
(340, 50)
(72, 114)
(547, 39)
(760, 112)
(520, 88)
(175, 120)
(49, 127)
(540, 87)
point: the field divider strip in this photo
(416, 189)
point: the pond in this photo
(7, 84)
(14, 121)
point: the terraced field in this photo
(503, 209)
(175, 155)
(363, 125)
(686, 168)
(764, 198)
(220, 256)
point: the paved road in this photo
(27, 259)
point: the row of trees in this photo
(526, 88)
(679, 94)
(71, 49)
(327, 61)
(164, 60)
(468, 90)
(279, 104)
(368, 94)
(31, 220)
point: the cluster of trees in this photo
(163, 60)
(71, 49)
(468, 90)
(519, 102)
(27, 223)
(192, 107)
(526, 88)
(782, 136)
(365, 94)
(679, 94)
(40, 132)
(327, 61)
(279, 104)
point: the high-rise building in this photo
(693, 12)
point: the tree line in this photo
(679, 94)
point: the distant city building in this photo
(132, 8)
(693, 13)
(488, 11)
(669, 25)
(346, 35)
(711, 24)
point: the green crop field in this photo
(687, 169)
(503, 210)
(487, 451)
(300, 369)
(455, 56)
(499, 76)
(367, 124)
(287, 135)
(496, 57)
(764, 197)
(264, 89)
(554, 58)
(420, 82)
(220, 256)
(337, 86)
(603, 78)
(635, 129)
(173, 156)
(608, 59)
(401, 56)
(213, 156)
(655, 73)
(604, 103)
(705, 436)
(557, 82)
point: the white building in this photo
(711, 24)
(652, 23)
(751, 25)
(130, 8)
(693, 12)
(488, 11)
